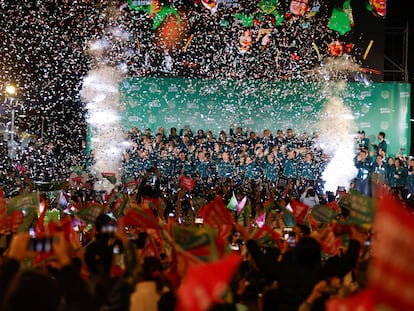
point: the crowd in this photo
(115, 264)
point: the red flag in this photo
(215, 213)
(141, 217)
(300, 211)
(187, 183)
(331, 244)
(40, 226)
(391, 273)
(204, 284)
(266, 235)
(149, 202)
(334, 205)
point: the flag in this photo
(300, 211)
(260, 220)
(141, 217)
(232, 205)
(331, 244)
(241, 204)
(205, 284)
(90, 211)
(185, 260)
(321, 214)
(266, 236)
(391, 271)
(199, 241)
(119, 205)
(149, 202)
(215, 214)
(361, 208)
(287, 215)
(187, 183)
(269, 205)
(110, 176)
(29, 219)
(23, 202)
(63, 200)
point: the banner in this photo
(155, 102)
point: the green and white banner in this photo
(216, 104)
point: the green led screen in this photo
(258, 105)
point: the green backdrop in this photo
(215, 104)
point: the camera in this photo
(41, 245)
(290, 236)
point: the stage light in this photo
(11, 90)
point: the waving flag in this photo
(232, 205)
(241, 204)
(204, 284)
(90, 211)
(199, 241)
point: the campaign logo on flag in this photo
(187, 183)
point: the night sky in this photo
(43, 51)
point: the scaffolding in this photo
(396, 54)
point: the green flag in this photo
(24, 201)
(322, 214)
(199, 241)
(361, 209)
(90, 212)
(232, 205)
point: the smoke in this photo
(100, 92)
(336, 128)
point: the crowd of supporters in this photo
(111, 266)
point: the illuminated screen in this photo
(261, 104)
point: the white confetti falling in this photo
(100, 90)
(337, 129)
